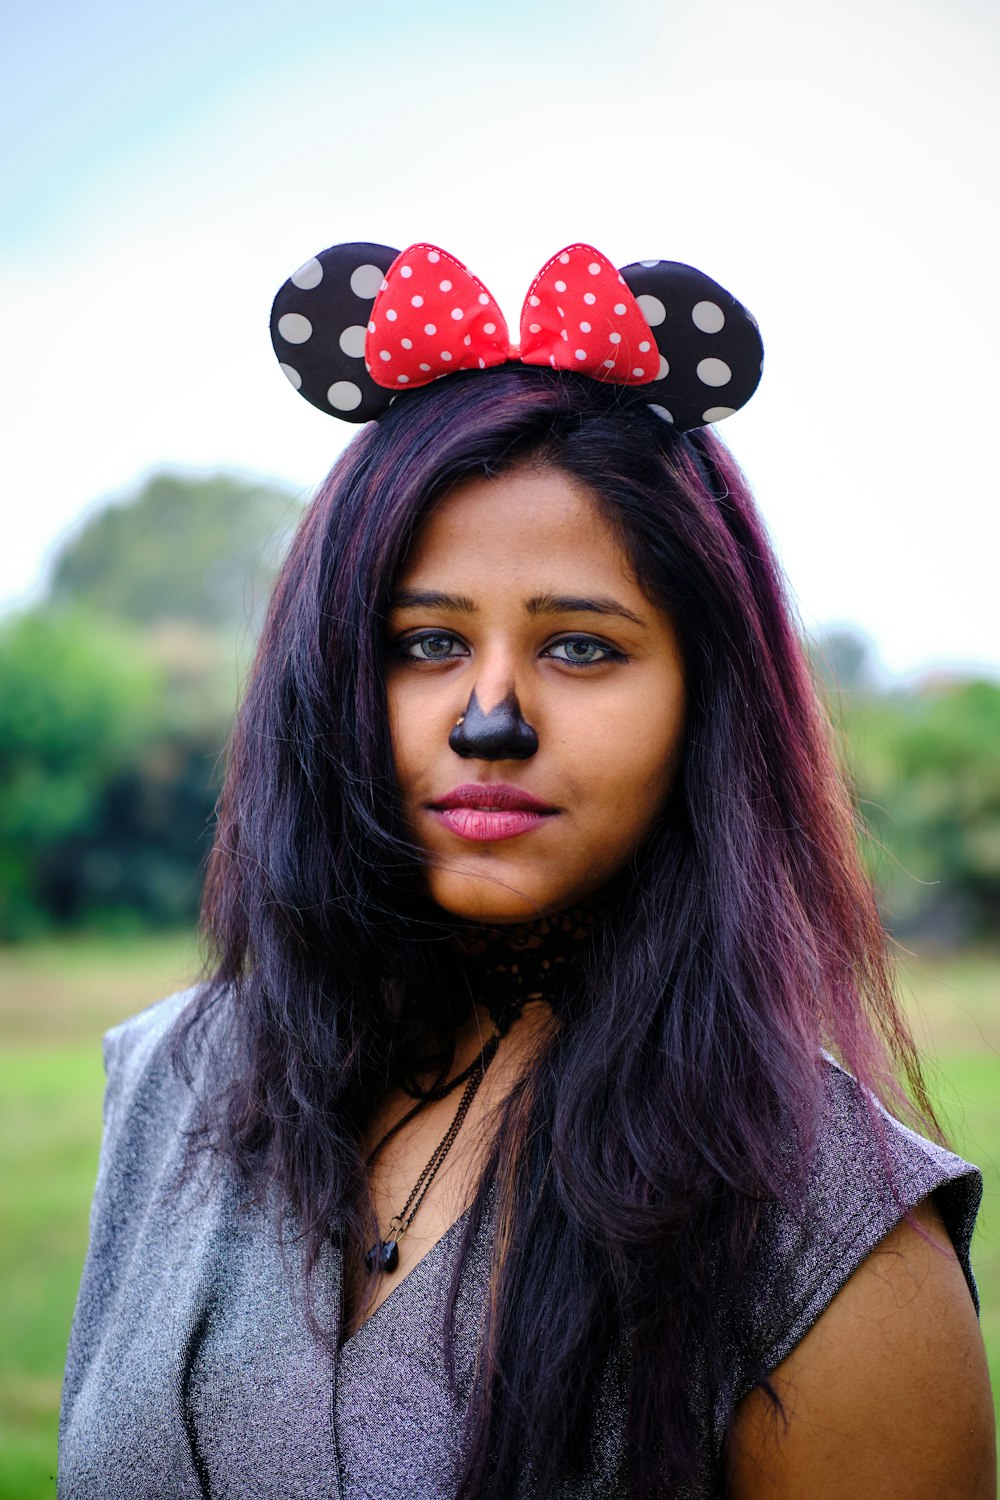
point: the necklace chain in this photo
(384, 1254)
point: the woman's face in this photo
(518, 613)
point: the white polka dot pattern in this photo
(318, 328)
(294, 328)
(344, 395)
(366, 281)
(652, 309)
(308, 275)
(714, 372)
(578, 315)
(708, 317)
(707, 342)
(352, 341)
(459, 324)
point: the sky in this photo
(832, 164)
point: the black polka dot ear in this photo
(319, 322)
(710, 346)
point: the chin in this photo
(487, 899)
(484, 900)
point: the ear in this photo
(318, 325)
(710, 346)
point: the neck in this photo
(508, 967)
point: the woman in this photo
(505, 1152)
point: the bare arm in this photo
(888, 1394)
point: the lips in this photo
(492, 795)
(485, 813)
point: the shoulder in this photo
(887, 1393)
(152, 1110)
(867, 1165)
(860, 1313)
(868, 1171)
(154, 1086)
(865, 1171)
(155, 1210)
(144, 1041)
(147, 1043)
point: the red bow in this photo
(432, 317)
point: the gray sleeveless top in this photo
(191, 1370)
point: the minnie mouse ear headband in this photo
(359, 324)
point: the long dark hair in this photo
(630, 1166)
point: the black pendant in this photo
(383, 1256)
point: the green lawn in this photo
(57, 999)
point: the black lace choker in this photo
(507, 966)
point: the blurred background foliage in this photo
(117, 690)
(924, 767)
(116, 694)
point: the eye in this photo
(432, 645)
(583, 651)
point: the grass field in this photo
(56, 1000)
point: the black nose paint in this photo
(502, 734)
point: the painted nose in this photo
(502, 734)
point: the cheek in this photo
(630, 764)
(414, 727)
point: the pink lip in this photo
(487, 813)
(493, 794)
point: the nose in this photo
(501, 734)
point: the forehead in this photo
(535, 525)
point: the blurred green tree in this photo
(926, 765)
(137, 862)
(78, 699)
(116, 699)
(203, 550)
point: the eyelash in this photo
(609, 653)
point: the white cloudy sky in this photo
(832, 163)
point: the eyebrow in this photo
(540, 604)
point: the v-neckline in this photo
(417, 1264)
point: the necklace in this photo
(504, 969)
(507, 967)
(384, 1254)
